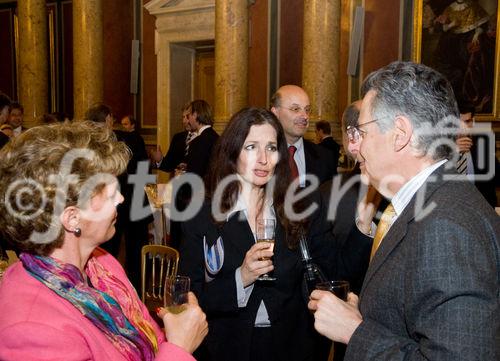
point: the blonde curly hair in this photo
(48, 164)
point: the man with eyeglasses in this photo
(431, 289)
(292, 107)
(372, 201)
(352, 228)
(349, 121)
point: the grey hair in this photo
(421, 94)
(350, 116)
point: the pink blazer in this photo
(37, 324)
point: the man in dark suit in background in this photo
(475, 153)
(324, 138)
(4, 139)
(291, 106)
(352, 232)
(198, 120)
(431, 290)
(135, 231)
(178, 145)
(4, 116)
(16, 118)
(345, 192)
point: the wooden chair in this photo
(157, 263)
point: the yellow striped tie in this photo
(382, 228)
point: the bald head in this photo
(286, 91)
(291, 106)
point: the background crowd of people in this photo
(424, 273)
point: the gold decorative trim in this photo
(417, 31)
(16, 47)
(52, 62)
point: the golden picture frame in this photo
(459, 39)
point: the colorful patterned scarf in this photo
(122, 322)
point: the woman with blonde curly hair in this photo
(67, 298)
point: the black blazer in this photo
(176, 152)
(334, 148)
(200, 151)
(136, 145)
(349, 254)
(231, 327)
(4, 139)
(319, 161)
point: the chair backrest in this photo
(157, 264)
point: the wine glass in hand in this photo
(265, 233)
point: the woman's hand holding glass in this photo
(188, 328)
(256, 263)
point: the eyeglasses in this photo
(296, 109)
(355, 133)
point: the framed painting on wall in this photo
(459, 39)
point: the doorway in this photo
(192, 76)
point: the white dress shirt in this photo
(406, 193)
(17, 131)
(206, 126)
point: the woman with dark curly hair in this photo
(67, 298)
(249, 319)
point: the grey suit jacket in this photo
(432, 290)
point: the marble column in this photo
(231, 59)
(33, 60)
(320, 59)
(87, 55)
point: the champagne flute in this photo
(176, 293)
(265, 233)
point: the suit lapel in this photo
(237, 232)
(419, 205)
(279, 238)
(393, 237)
(308, 156)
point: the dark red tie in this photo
(291, 162)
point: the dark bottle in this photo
(312, 273)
